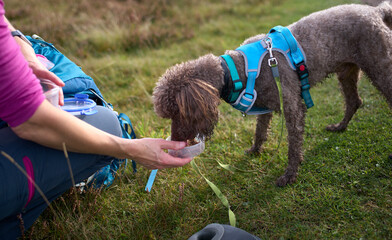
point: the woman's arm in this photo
(38, 68)
(50, 126)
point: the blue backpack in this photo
(76, 81)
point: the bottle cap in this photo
(79, 105)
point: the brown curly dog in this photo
(342, 40)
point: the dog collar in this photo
(227, 84)
(232, 83)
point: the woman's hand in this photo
(150, 153)
(43, 73)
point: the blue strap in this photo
(232, 68)
(258, 111)
(248, 97)
(126, 124)
(252, 56)
(299, 61)
(253, 52)
(234, 77)
(306, 94)
(285, 34)
(151, 180)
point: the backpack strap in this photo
(126, 125)
(101, 101)
(151, 179)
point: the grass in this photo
(344, 187)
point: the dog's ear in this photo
(198, 103)
(164, 99)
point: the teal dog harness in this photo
(278, 39)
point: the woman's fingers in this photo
(171, 162)
(174, 145)
(154, 157)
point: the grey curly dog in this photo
(344, 40)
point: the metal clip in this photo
(271, 60)
(268, 42)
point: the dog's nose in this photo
(177, 131)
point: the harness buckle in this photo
(272, 61)
(302, 70)
(237, 85)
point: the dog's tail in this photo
(385, 10)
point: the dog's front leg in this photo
(261, 133)
(294, 112)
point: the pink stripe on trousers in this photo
(30, 172)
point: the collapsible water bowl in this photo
(189, 151)
(51, 91)
(79, 105)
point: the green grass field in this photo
(343, 190)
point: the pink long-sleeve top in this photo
(20, 90)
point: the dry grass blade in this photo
(74, 188)
(69, 164)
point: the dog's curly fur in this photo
(343, 40)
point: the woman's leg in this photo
(48, 168)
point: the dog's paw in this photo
(253, 151)
(339, 127)
(286, 179)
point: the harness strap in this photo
(291, 42)
(237, 84)
(248, 96)
(275, 74)
(251, 53)
(299, 62)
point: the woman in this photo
(37, 131)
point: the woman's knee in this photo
(105, 119)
